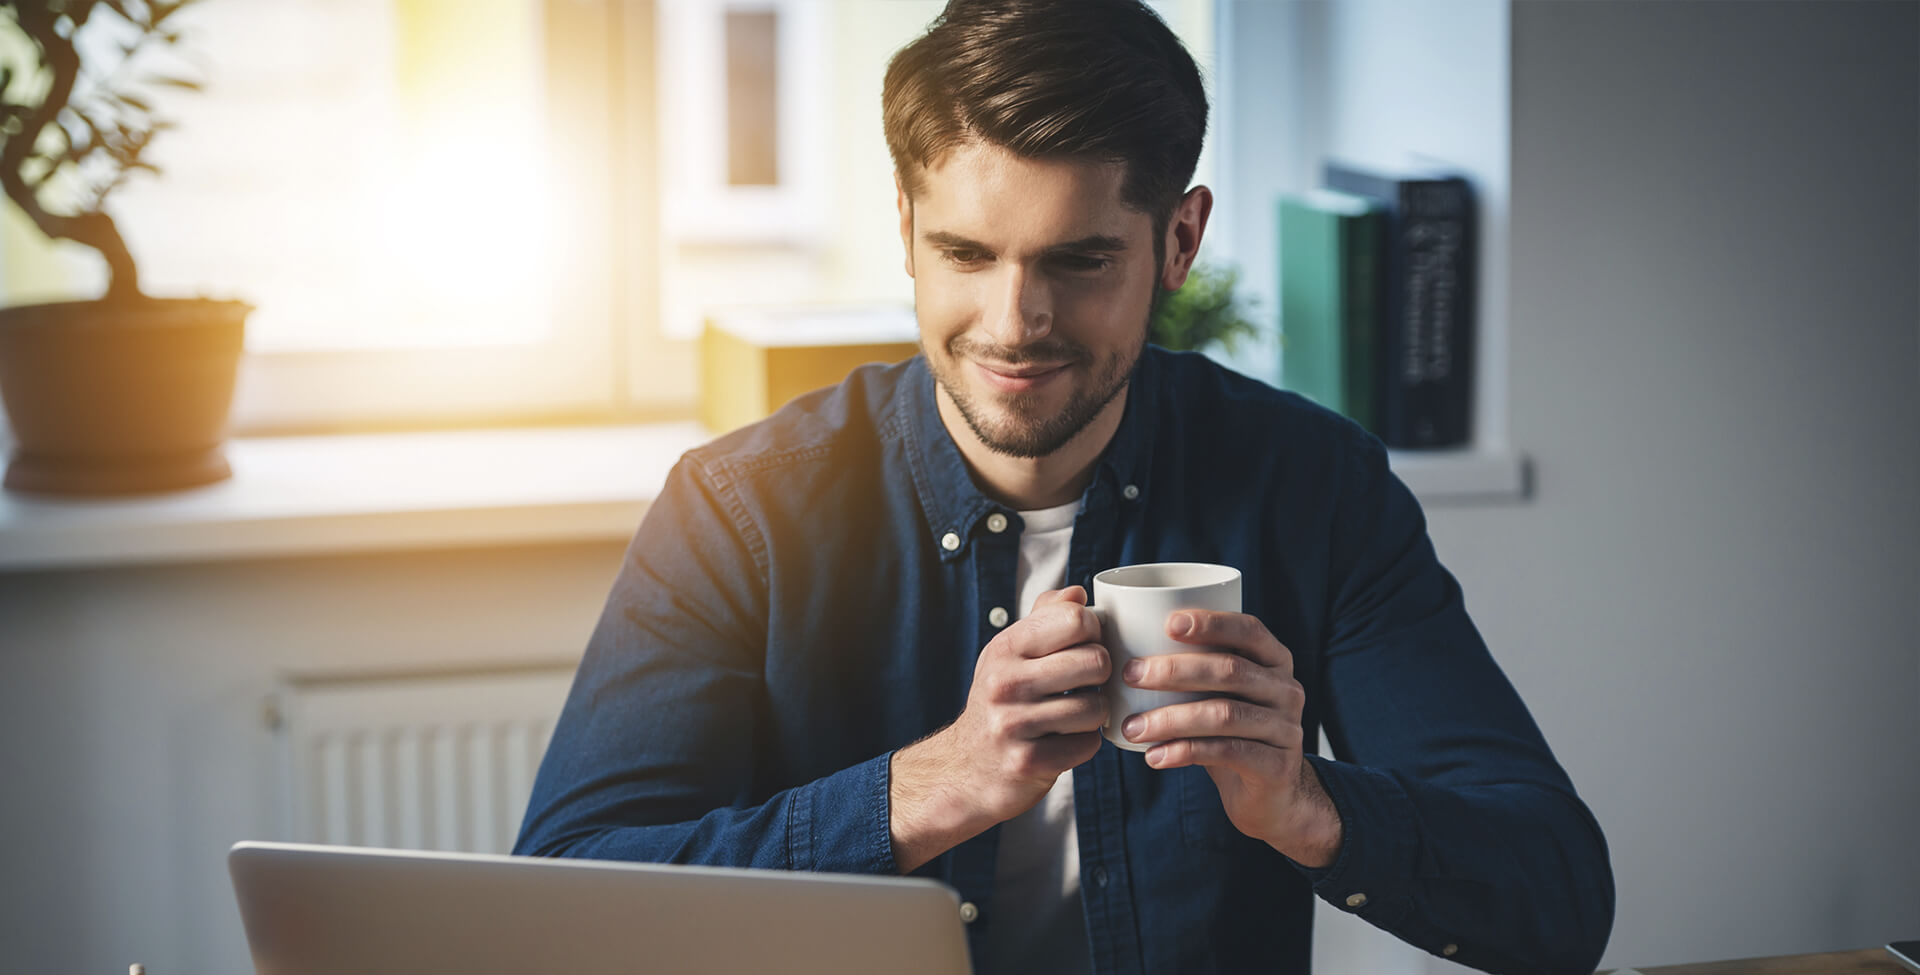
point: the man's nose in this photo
(1021, 311)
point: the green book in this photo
(1330, 256)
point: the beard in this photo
(1026, 427)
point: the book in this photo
(1425, 352)
(1330, 263)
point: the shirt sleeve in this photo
(653, 757)
(1462, 834)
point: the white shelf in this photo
(294, 496)
(1462, 476)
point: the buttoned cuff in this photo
(840, 823)
(1372, 876)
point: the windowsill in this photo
(293, 496)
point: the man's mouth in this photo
(1021, 378)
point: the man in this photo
(854, 637)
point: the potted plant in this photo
(1204, 311)
(124, 393)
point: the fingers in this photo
(1062, 752)
(1020, 680)
(1219, 717)
(1086, 665)
(1053, 625)
(1216, 672)
(1249, 758)
(1061, 714)
(1237, 631)
(1071, 594)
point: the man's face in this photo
(1032, 282)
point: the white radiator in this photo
(429, 761)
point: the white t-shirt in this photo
(1037, 923)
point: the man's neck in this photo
(1032, 483)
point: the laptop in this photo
(326, 910)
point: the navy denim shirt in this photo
(809, 594)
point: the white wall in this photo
(1713, 603)
(136, 750)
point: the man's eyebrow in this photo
(1095, 243)
(942, 238)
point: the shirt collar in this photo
(955, 506)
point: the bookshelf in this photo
(1385, 84)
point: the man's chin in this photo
(1026, 434)
(1018, 415)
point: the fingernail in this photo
(1155, 755)
(1182, 625)
(1133, 671)
(1132, 726)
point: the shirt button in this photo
(969, 913)
(996, 523)
(997, 616)
(1099, 876)
(1450, 950)
(950, 542)
(1130, 492)
(1357, 900)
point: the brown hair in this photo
(1103, 80)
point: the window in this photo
(479, 211)
(412, 192)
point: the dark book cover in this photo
(1424, 366)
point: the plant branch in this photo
(92, 227)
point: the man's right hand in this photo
(1021, 728)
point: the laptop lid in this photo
(319, 910)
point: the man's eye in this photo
(964, 255)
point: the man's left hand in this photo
(1249, 740)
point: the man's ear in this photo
(905, 205)
(1184, 230)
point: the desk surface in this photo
(1868, 961)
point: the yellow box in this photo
(754, 361)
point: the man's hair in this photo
(1101, 80)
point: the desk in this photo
(1869, 961)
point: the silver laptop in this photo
(325, 910)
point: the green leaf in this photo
(1203, 312)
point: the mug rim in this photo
(1221, 575)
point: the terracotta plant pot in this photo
(119, 397)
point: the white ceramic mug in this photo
(1133, 603)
